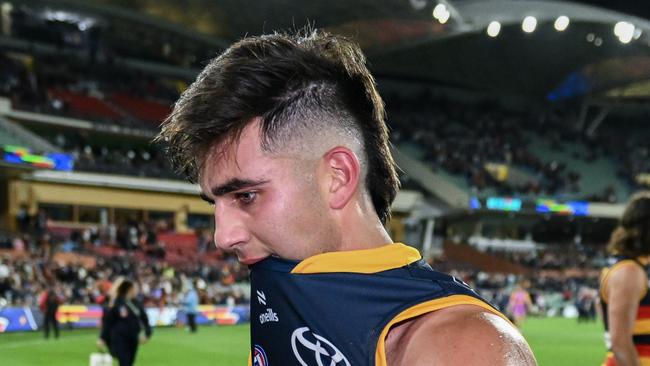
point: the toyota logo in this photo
(317, 347)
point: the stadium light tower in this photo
(529, 24)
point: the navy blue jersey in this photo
(336, 308)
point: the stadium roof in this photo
(441, 41)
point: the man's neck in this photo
(361, 230)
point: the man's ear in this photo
(344, 171)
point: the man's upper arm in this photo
(625, 287)
(466, 335)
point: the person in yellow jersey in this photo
(624, 297)
(286, 136)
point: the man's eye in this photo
(246, 197)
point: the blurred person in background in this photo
(586, 304)
(123, 323)
(519, 304)
(191, 305)
(107, 301)
(49, 305)
(624, 296)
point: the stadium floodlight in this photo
(598, 42)
(561, 23)
(493, 28)
(439, 11)
(591, 37)
(620, 27)
(625, 39)
(529, 24)
(637, 33)
(6, 8)
(445, 17)
(624, 31)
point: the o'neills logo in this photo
(269, 316)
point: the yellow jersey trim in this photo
(373, 260)
(641, 327)
(424, 308)
(608, 271)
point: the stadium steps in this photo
(13, 134)
(432, 182)
(481, 261)
(414, 151)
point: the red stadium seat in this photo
(85, 105)
(145, 110)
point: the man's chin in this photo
(251, 261)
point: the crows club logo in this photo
(259, 357)
(312, 349)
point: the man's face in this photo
(266, 204)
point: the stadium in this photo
(520, 129)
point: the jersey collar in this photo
(373, 260)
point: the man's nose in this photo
(229, 230)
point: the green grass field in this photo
(556, 342)
(564, 342)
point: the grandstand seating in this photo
(144, 110)
(480, 261)
(181, 249)
(550, 160)
(176, 240)
(593, 181)
(85, 105)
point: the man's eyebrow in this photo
(235, 184)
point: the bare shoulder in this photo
(626, 272)
(626, 283)
(459, 335)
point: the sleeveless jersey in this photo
(641, 331)
(336, 308)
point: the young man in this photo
(287, 139)
(624, 297)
